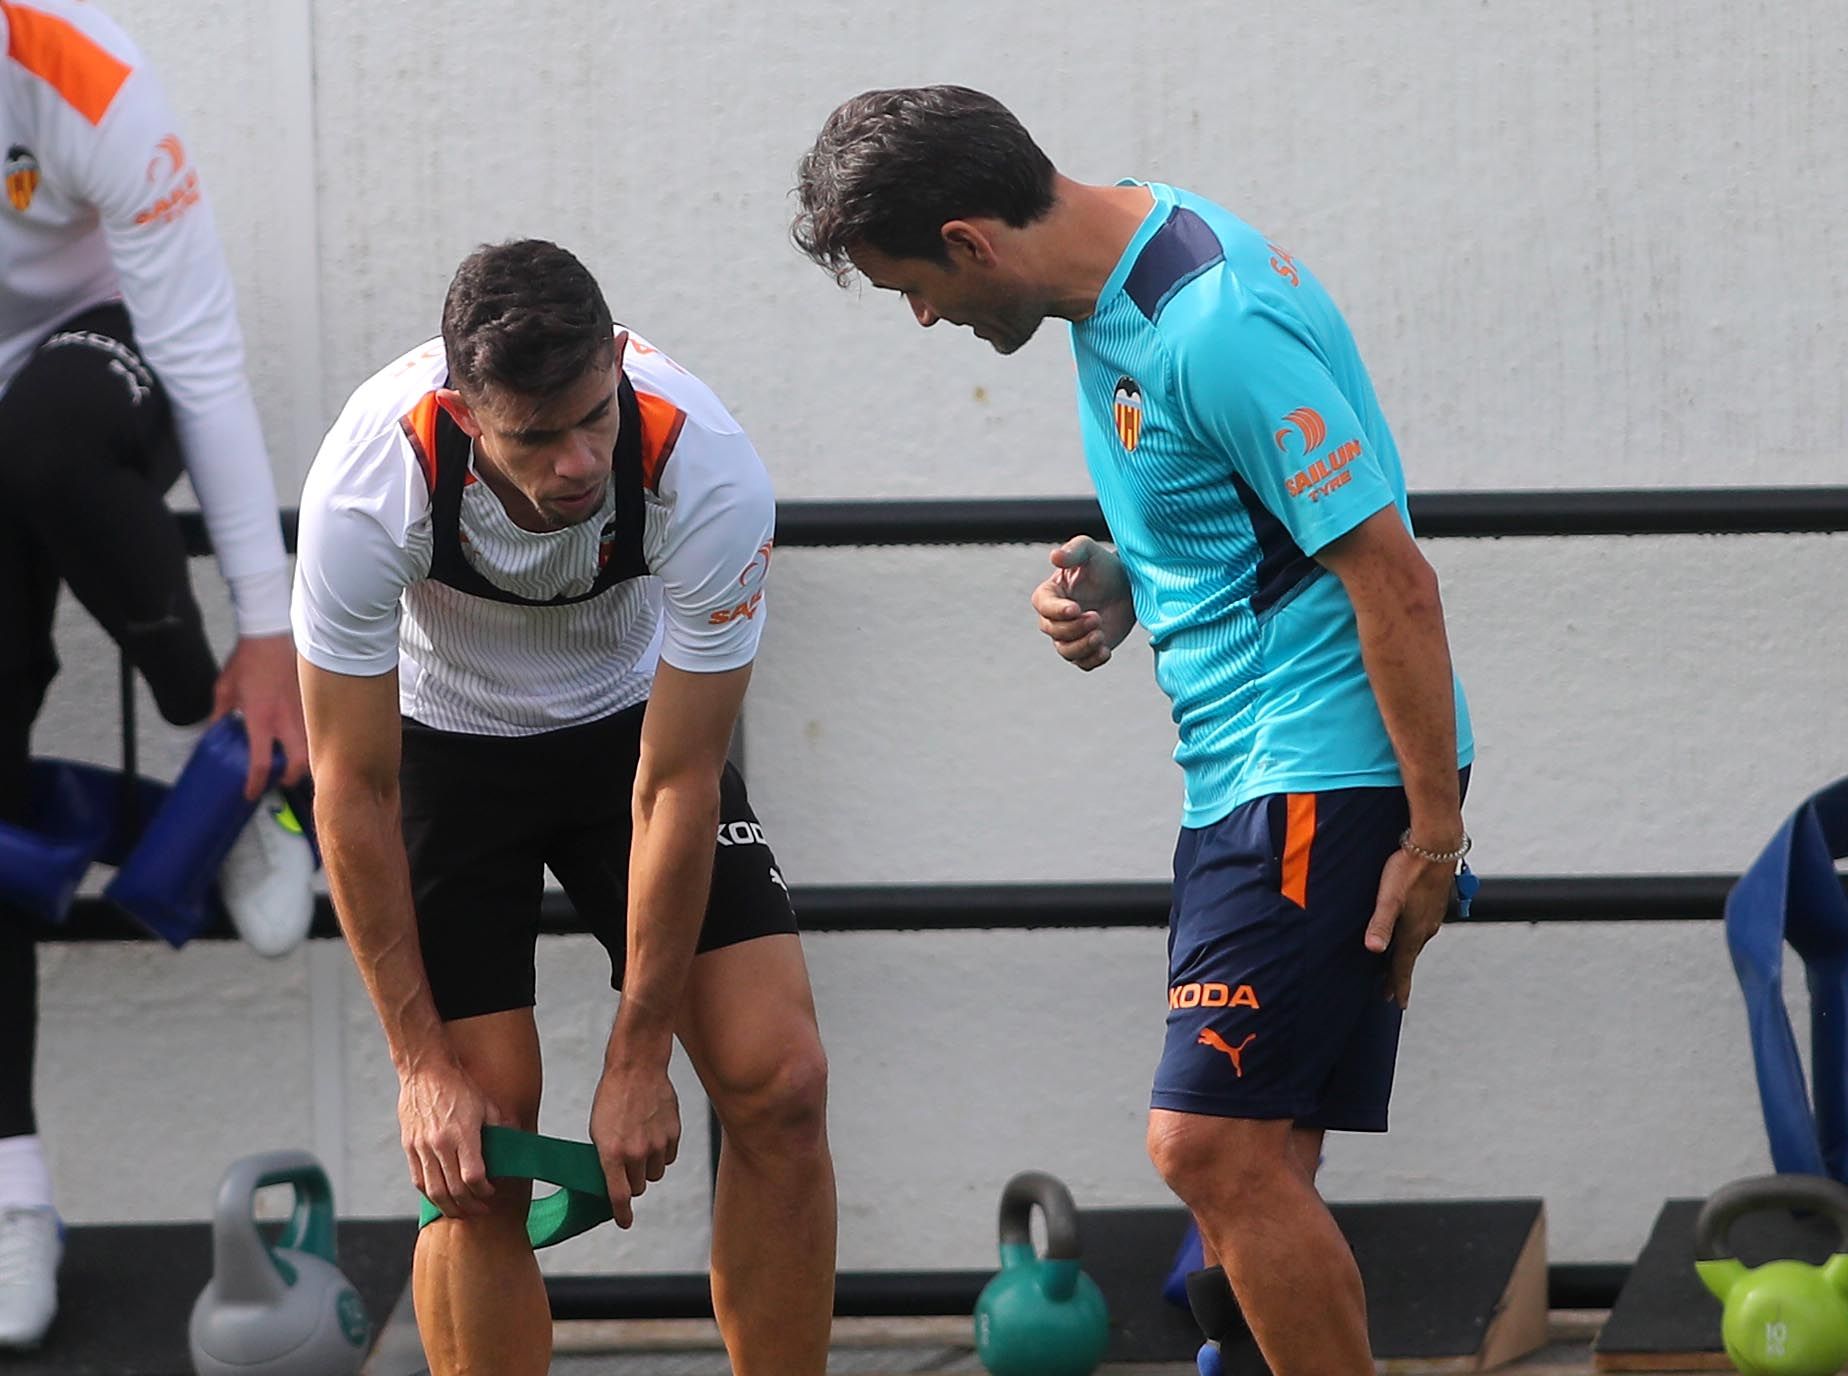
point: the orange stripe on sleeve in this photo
(420, 428)
(69, 60)
(1298, 836)
(662, 422)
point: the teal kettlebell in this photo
(1785, 1318)
(284, 1310)
(1040, 1316)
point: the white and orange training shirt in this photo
(103, 203)
(366, 603)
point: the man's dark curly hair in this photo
(890, 168)
(523, 317)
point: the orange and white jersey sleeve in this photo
(365, 532)
(712, 527)
(365, 601)
(111, 162)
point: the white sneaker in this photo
(266, 880)
(31, 1246)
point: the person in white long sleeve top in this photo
(121, 364)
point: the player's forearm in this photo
(230, 473)
(179, 295)
(362, 850)
(670, 876)
(1407, 655)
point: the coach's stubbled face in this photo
(979, 300)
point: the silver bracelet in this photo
(1436, 857)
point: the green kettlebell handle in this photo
(311, 1221)
(245, 1267)
(581, 1202)
(1732, 1202)
(1021, 1195)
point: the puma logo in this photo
(1208, 1037)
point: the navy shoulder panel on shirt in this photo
(1175, 254)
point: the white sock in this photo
(25, 1180)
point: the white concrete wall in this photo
(1583, 243)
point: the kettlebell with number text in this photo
(1786, 1317)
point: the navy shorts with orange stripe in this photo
(1276, 1009)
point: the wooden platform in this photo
(898, 1347)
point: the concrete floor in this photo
(899, 1347)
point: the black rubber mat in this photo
(1664, 1311)
(1435, 1275)
(126, 1292)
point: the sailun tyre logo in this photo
(169, 157)
(167, 168)
(1304, 421)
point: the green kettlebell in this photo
(1040, 1316)
(1785, 1318)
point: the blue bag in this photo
(1793, 893)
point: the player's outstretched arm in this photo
(354, 747)
(635, 1119)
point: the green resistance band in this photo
(581, 1202)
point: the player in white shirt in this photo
(529, 589)
(120, 365)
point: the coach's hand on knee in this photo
(441, 1112)
(1414, 895)
(635, 1123)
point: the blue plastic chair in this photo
(1793, 893)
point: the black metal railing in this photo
(1437, 515)
(1010, 520)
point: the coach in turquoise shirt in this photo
(1232, 433)
(1261, 536)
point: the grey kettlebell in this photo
(284, 1310)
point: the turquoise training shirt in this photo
(1231, 432)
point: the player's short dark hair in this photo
(523, 317)
(891, 167)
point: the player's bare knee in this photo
(782, 1110)
(502, 1225)
(521, 1108)
(1191, 1154)
(1179, 1153)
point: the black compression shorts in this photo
(486, 816)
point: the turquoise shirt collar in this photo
(1158, 214)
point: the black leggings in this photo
(86, 452)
